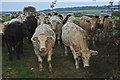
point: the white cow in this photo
(74, 37)
(56, 23)
(40, 18)
(43, 41)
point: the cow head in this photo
(93, 23)
(54, 24)
(102, 18)
(46, 20)
(86, 54)
(48, 14)
(114, 23)
(42, 41)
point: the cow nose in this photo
(42, 49)
(101, 23)
(86, 66)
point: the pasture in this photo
(103, 65)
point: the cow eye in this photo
(46, 41)
(110, 22)
(38, 41)
(83, 58)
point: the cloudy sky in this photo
(58, 0)
(18, 5)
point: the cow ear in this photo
(106, 16)
(35, 39)
(36, 17)
(17, 15)
(93, 53)
(88, 21)
(49, 38)
(49, 22)
(80, 52)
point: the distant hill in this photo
(85, 10)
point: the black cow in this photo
(31, 23)
(13, 35)
(65, 20)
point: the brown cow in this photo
(108, 26)
(90, 24)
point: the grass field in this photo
(85, 11)
(103, 65)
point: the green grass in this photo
(77, 18)
(91, 11)
(114, 7)
(103, 65)
(6, 17)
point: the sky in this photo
(58, 0)
(18, 5)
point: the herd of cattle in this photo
(44, 29)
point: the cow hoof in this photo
(65, 54)
(40, 70)
(10, 58)
(18, 58)
(50, 70)
(77, 67)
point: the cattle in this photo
(108, 26)
(18, 19)
(90, 24)
(40, 18)
(2, 31)
(13, 35)
(43, 40)
(60, 16)
(21, 17)
(1, 26)
(74, 37)
(102, 18)
(54, 13)
(31, 23)
(72, 19)
(66, 18)
(13, 15)
(56, 23)
(48, 14)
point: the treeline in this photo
(79, 8)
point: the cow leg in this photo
(49, 60)
(21, 48)
(3, 40)
(17, 49)
(104, 34)
(10, 51)
(58, 38)
(65, 50)
(93, 39)
(100, 36)
(39, 59)
(75, 57)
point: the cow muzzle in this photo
(42, 50)
(86, 65)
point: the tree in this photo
(29, 9)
